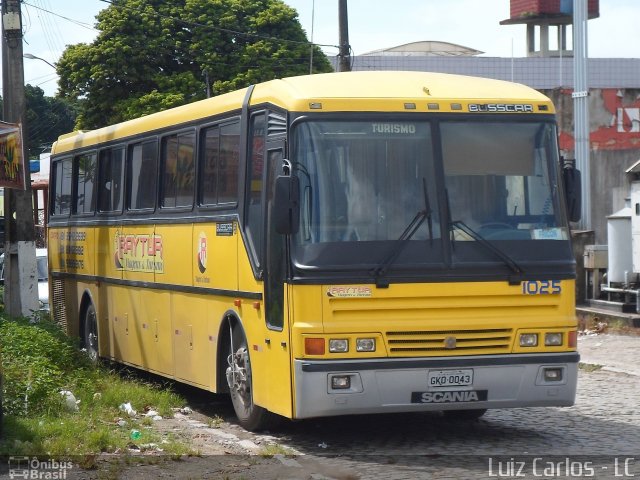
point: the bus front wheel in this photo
(250, 416)
(90, 332)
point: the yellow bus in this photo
(344, 243)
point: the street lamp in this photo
(33, 57)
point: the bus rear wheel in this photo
(250, 416)
(90, 332)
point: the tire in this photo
(250, 416)
(464, 415)
(90, 333)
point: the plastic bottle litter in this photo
(135, 435)
(128, 409)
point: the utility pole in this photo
(581, 106)
(20, 287)
(344, 56)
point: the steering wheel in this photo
(496, 226)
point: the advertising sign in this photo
(12, 164)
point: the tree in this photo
(46, 119)
(152, 54)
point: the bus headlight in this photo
(553, 339)
(528, 339)
(338, 345)
(340, 382)
(366, 344)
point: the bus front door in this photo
(278, 348)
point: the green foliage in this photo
(152, 55)
(46, 119)
(39, 361)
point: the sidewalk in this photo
(619, 353)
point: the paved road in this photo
(618, 353)
(599, 437)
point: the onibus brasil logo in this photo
(34, 468)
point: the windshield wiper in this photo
(517, 270)
(419, 218)
(508, 261)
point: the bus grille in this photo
(454, 342)
(443, 320)
(58, 304)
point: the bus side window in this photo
(210, 148)
(61, 191)
(220, 146)
(85, 168)
(142, 175)
(178, 172)
(255, 185)
(110, 173)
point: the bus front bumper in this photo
(346, 387)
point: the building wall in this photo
(528, 8)
(536, 72)
(615, 146)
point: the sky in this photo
(50, 25)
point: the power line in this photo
(50, 28)
(77, 22)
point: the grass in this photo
(270, 450)
(215, 422)
(589, 367)
(40, 361)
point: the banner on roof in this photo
(12, 165)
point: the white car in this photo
(43, 277)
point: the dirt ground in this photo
(220, 450)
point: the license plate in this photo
(451, 378)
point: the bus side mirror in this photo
(572, 192)
(286, 204)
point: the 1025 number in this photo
(541, 287)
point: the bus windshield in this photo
(363, 183)
(500, 179)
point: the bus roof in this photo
(372, 91)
